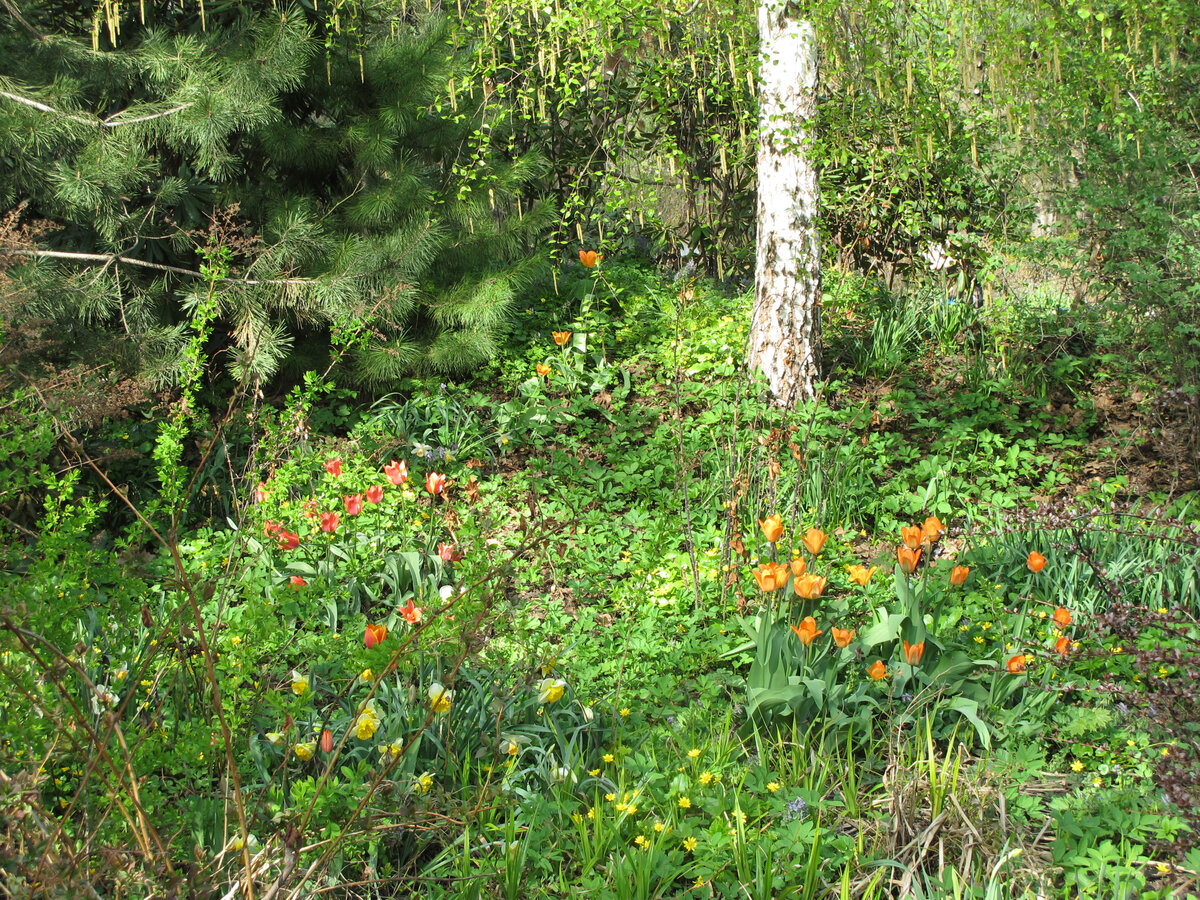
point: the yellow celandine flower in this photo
(299, 683)
(593, 772)
(610, 797)
(576, 818)
(550, 690)
(642, 841)
(1097, 782)
(591, 813)
(620, 807)
(705, 777)
(772, 786)
(607, 757)
(1077, 766)
(367, 675)
(1163, 868)
(689, 844)
(659, 827)
(685, 803)
(440, 698)
(624, 711)
(693, 753)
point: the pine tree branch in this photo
(129, 260)
(110, 122)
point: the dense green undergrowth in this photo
(540, 634)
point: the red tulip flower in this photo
(329, 521)
(326, 741)
(353, 504)
(288, 540)
(374, 636)
(260, 492)
(396, 472)
(297, 582)
(374, 493)
(435, 482)
(333, 467)
(411, 614)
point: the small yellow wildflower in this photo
(706, 777)
(689, 844)
(366, 675)
(608, 757)
(593, 772)
(610, 797)
(693, 753)
(685, 803)
(624, 711)
(1077, 766)
(1097, 782)
(659, 827)
(772, 786)
(591, 813)
(642, 841)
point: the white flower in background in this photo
(104, 699)
(938, 257)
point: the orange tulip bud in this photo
(326, 741)
(772, 528)
(860, 574)
(913, 653)
(814, 540)
(1036, 562)
(543, 369)
(877, 670)
(1062, 617)
(1017, 664)
(958, 575)
(842, 636)
(807, 630)
(908, 559)
(912, 536)
(374, 635)
(932, 529)
(589, 257)
(799, 566)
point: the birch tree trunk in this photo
(785, 333)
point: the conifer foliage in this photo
(331, 183)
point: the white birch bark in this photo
(785, 334)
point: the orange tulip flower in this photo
(799, 566)
(1036, 562)
(589, 257)
(1017, 664)
(932, 529)
(877, 670)
(772, 528)
(958, 575)
(908, 559)
(810, 587)
(1062, 617)
(770, 576)
(561, 337)
(912, 536)
(543, 369)
(842, 636)
(814, 540)
(913, 653)
(860, 574)
(374, 635)
(326, 741)
(807, 630)
(1063, 646)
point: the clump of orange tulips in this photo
(908, 559)
(807, 630)
(771, 576)
(772, 528)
